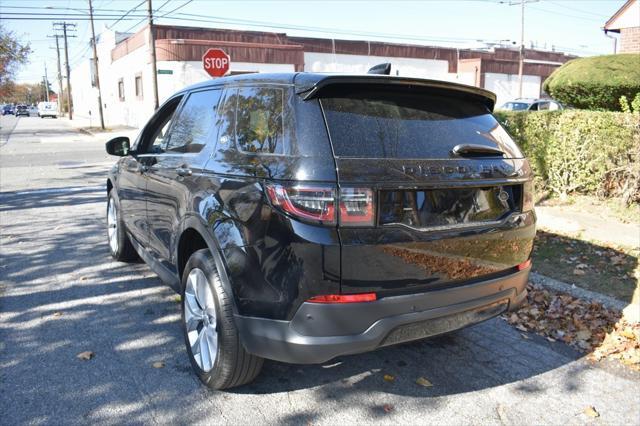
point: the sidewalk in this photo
(590, 225)
(91, 126)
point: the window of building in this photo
(138, 84)
(259, 127)
(195, 125)
(121, 90)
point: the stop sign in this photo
(216, 62)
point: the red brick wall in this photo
(629, 40)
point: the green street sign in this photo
(165, 71)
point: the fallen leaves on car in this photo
(388, 378)
(158, 364)
(423, 382)
(587, 326)
(591, 412)
(86, 355)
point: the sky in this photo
(571, 26)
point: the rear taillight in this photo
(356, 207)
(523, 265)
(311, 203)
(344, 298)
(318, 203)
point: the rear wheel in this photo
(119, 244)
(210, 334)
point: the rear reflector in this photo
(344, 298)
(524, 265)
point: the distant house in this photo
(626, 22)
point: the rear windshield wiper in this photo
(473, 150)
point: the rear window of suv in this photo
(409, 125)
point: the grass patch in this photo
(606, 270)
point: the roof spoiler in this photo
(382, 69)
(315, 90)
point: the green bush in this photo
(597, 82)
(573, 151)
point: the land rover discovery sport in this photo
(304, 216)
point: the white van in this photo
(48, 109)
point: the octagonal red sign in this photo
(216, 62)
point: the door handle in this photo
(184, 171)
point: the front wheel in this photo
(120, 247)
(210, 334)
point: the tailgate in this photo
(450, 189)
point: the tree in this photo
(13, 54)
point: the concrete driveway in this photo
(60, 294)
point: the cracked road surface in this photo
(61, 294)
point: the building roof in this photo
(627, 16)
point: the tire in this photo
(220, 360)
(120, 246)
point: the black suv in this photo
(305, 216)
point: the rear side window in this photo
(409, 125)
(259, 120)
(193, 128)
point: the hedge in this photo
(596, 82)
(574, 151)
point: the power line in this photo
(123, 16)
(176, 9)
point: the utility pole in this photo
(46, 83)
(57, 36)
(65, 35)
(95, 64)
(152, 50)
(521, 60)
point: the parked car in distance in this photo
(8, 110)
(48, 109)
(531, 105)
(22, 110)
(306, 216)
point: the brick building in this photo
(126, 76)
(626, 22)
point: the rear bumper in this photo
(320, 332)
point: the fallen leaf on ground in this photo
(585, 325)
(387, 408)
(583, 335)
(388, 378)
(424, 382)
(578, 272)
(86, 355)
(591, 412)
(158, 364)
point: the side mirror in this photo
(118, 146)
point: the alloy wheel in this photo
(200, 319)
(112, 226)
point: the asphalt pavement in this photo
(61, 294)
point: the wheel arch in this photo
(193, 237)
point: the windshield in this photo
(515, 106)
(389, 124)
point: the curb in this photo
(607, 301)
